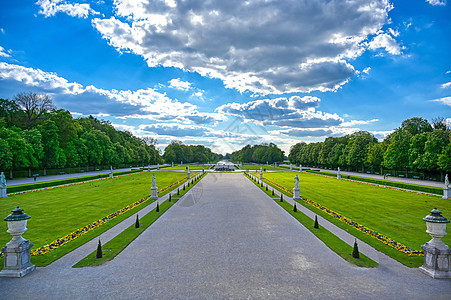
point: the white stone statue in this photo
(339, 171)
(154, 182)
(2, 181)
(446, 180)
(296, 183)
(300, 168)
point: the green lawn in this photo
(257, 167)
(191, 167)
(396, 214)
(59, 211)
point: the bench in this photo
(35, 176)
(401, 175)
(416, 177)
(62, 173)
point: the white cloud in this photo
(446, 85)
(176, 130)
(357, 122)
(387, 42)
(179, 84)
(294, 112)
(50, 7)
(139, 104)
(260, 46)
(437, 2)
(444, 100)
(3, 53)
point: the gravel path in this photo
(225, 240)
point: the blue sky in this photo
(230, 73)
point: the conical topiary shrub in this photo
(99, 250)
(178, 191)
(266, 188)
(183, 187)
(273, 192)
(355, 252)
(137, 221)
(170, 198)
(316, 225)
(294, 208)
(158, 208)
(188, 183)
(281, 197)
(261, 184)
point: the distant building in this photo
(224, 166)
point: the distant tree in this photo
(444, 159)
(8, 110)
(5, 156)
(34, 106)
(375, 156)
(53, 154)
(440, 123)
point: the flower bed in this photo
(380, 237)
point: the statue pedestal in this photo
(17, 260)
(338, 176)
(296, 193)
(3, 193)
(111, 175)
(188, 176)
(154, 193)
(446, 193)
(437, 262)
(261, 176)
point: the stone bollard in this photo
(437, 255)
(17, 251)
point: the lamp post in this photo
(437, 255)
(17, 251)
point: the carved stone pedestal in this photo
(17, 260)
(153, 193)
(437, 261)
(296, 193)
(446, 193)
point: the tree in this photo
(396, 156)
(5, 155)
(50, 141)
(358, 144)
(436, 141)
(34, 106)
(416, 126)
(8, 110)
(375, 156)
(34, 138)
(444, 159)
(20, 149)
(440, 123)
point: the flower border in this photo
(374, 234)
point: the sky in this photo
(225, 74)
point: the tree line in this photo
(34, 134)
(416, 146)
(258, 154)
(177, 152)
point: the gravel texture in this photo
(225, 240)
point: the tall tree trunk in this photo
(45, 171)
(10, 173)
(29, 172)
(382, 171)
(407, 173)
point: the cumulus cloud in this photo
(357, 122)
(176, 130)
(179, 84)
(437, 2)
(142, 103)
(259, 46)
(298, 112)
(444, 100)
(387, 42)
(446, 85)
(49, 8)
(307, 133)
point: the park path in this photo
(225, 239)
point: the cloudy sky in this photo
(230, 73)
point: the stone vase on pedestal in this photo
(17, 251)
(437, 255)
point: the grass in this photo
(59, 211)
(191, 167)
(257, 167)
(396, 214)
(329, 239)
(116, 245)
